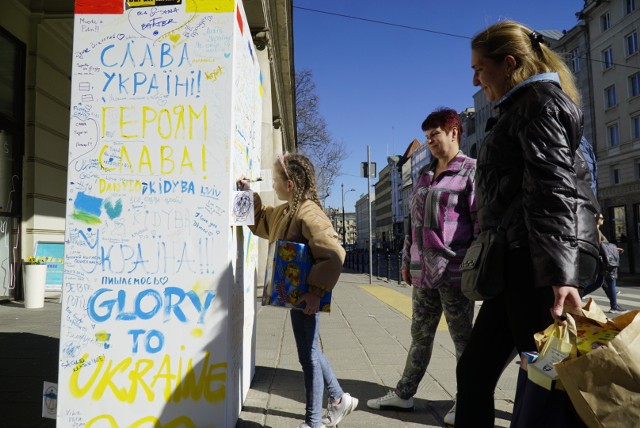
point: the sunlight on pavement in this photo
(398, 301)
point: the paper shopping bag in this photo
(593, 328)
(604, 384)
(555, 344)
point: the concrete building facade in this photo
(469, 140)
(613, 29)
(383, 209)
(363, 233)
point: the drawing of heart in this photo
(154, 26)
(113, 211)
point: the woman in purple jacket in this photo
(443, 224)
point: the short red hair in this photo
(444, 118)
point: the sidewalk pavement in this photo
(365, 337)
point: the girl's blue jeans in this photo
(316, 369)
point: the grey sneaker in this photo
(336, 412)
(391, 401)
(450, 417)
(304, 425)
(617, 310)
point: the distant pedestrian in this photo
(611, 262)
(590, 157)
(442, 225)
(529, 156)
(302, 219)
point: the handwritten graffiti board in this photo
(165, 113)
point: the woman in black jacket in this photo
(529, 156)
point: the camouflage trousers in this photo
(428, 305)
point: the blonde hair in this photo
(531, 55)
(299, 169)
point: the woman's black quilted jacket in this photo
(531, 152)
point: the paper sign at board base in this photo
(49, 400)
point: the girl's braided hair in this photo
(300, 170)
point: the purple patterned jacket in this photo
(443, 224)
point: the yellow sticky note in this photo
(210, 6)
(141, 3)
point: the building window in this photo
(630, 6)
(605, 21)
(635, 127)
(610, 96)
(615, 174)
(619, 223)
(634, 85)
(637, 169)
(631, 43)
(574, 61)
(613, 135)
(607, 58)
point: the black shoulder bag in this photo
(483, 266)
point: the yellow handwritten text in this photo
(120, 186)
(129, 378)
(179, 422)
(177, 123)
(118, 158)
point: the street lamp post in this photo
(344, 225)
(369, 172)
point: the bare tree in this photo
(314, 139)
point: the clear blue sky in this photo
(378, 82)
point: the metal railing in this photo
(385, 264)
